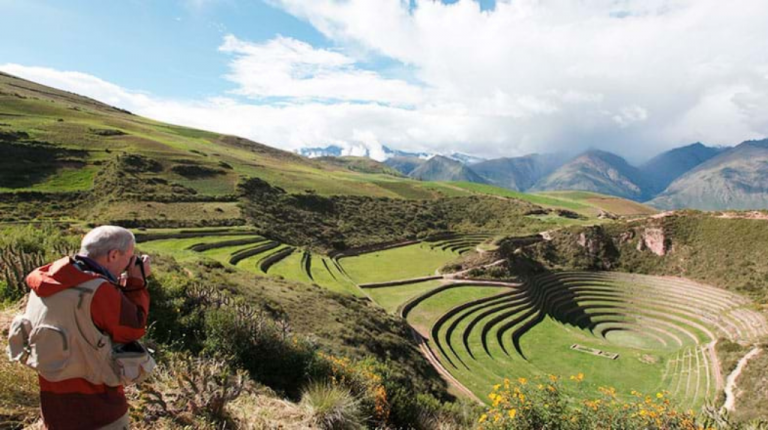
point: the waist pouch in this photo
(132, 362)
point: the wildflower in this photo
(522, 381)
(659, 395)
(553, 378)
(482, 419)
(512, 413)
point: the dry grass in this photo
(266, 412)
(19, 392)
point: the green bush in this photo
(333, 407)
(271, 354)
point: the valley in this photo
(432, 292)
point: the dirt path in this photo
(429, 354)
(715, 363)
(730, 384)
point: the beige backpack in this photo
(57, 337)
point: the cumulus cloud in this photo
(631, 76)
(286, 67)
(566, 74)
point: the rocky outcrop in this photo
(654, 240)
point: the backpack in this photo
(57, 337)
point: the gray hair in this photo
(99, 241)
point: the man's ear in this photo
(112, 255)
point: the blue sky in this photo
(169, 47)
(490, 77)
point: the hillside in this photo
(664, 168)
(359, 164)
(440, 168)
(688, 244)
(404, 165)
(736, 178)
(52, 141)
(597, 171)
(518, 173)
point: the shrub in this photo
(540, 403)
(362, 378)
(333, 407)
(186, 389)
(267, 349)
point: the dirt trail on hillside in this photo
(429, 354)
(730, 384)
(746, 215)
(715, 363)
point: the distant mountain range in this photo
(441, 168)
(693, 176)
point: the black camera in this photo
(140, 262)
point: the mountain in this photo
(736, 178)
(465, 158)
(378, 153)
(389, 152)
(664, 168)
(518, 173)
(404, 165)
(440, 168)
(359, 164)
(328, 151)
(597, 171)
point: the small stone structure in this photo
(594, 351)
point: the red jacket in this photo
(120, 312)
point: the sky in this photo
(493, 78)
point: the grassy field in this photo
(582, 202)
(533, 198)
(658, 327)
(327, 275)
(423, 316)
(390, 298)
(290, 268)
(179, 248)
(398, 263)
(614, 205)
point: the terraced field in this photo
(414, 260)
(632, 332)
(245, 249)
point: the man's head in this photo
(110, 246)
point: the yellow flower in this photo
(496, 387)
(483, 417)
(522, 381)
(512, 413)
(553, 378)
(659, 395)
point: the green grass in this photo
(290, 268)
(390, 298)
(178, 247)
(533, 198)
(423, 316)
(398, 263)
(331, 278)
(644, 364)
(66, 179)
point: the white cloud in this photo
(285, 67)
(632, 76)
(567, 74)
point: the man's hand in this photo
(134, 271)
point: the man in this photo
(118, 308)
